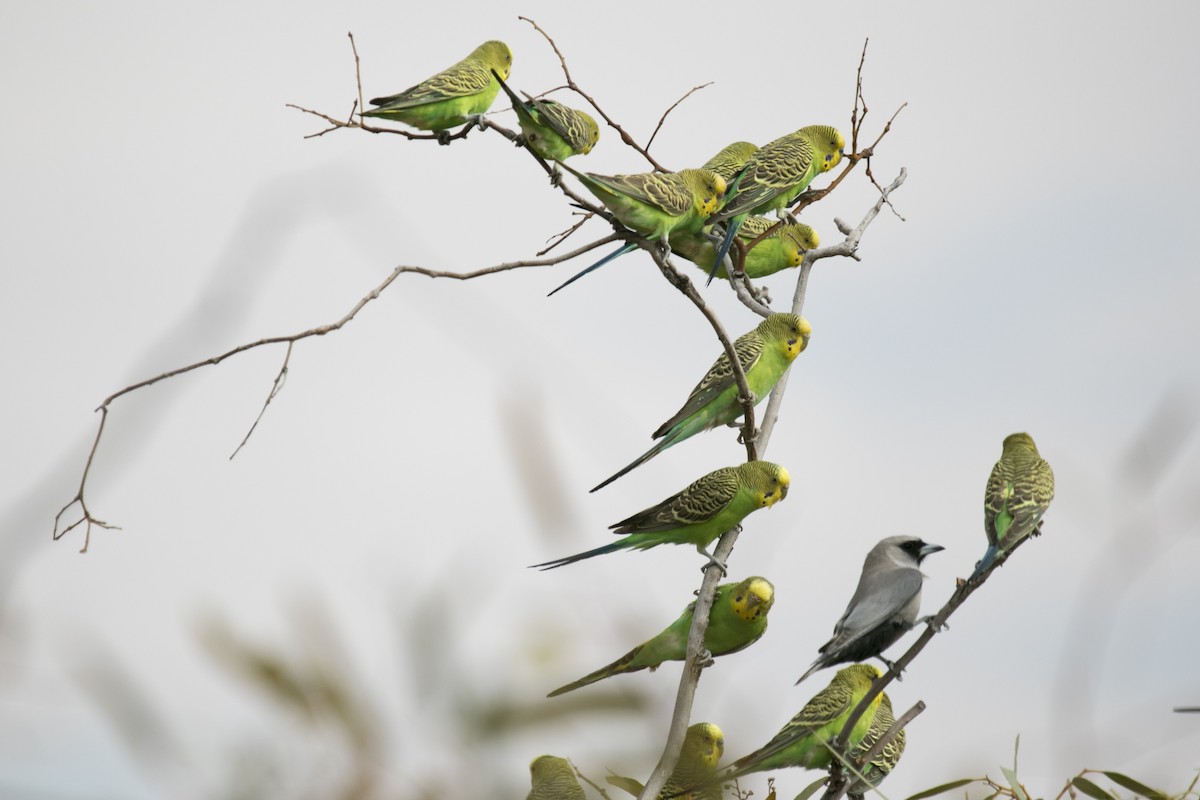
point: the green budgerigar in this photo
(775, 175)
(879, 767)
(783, 248)
(653, 204)
(765, 353)
(703, 746)
(802, 741)
(553, 131)
(453, 96)
(1018, 492)
(729, 162)
(738, 619)
(553, 779)
(699, 514)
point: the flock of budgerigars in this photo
(685, 213)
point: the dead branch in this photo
(321, 330)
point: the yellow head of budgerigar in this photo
(777, 488)
(799, 239)
(496, 55)
(829, 144)
(796, 337)
(714, 744)
(708, 188)
(753, 598)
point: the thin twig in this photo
(78, 498)
(276, 388)
(856, 120)
(625, 137)
(663, 118)
(321, 330)
(559, 238)
(589, 781)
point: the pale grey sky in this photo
(162, 205)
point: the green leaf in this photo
(945, 787)
(1135, 786)
(812, 788)
(1090, 789)
(634, 787)
(1013, 783)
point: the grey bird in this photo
(884, 605)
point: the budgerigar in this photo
(703, 746)
(454, 95)
(765, 353)
(553, 779)
(729, 162)
(802, 741)
(775, 175)
(691, 779)
(784, 247)
(884, 606)
(653, 204)
(699, 514)
(553, 131)
(738, 619)
(1018, 492)
(879, 767)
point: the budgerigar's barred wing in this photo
(566, 122)
(749, 348)
(467, 77)
(886, 759)
(729, 162)
(755, 226)
(665, 191)
(993, 501)
(790, 160)
(1031, 495)
(698, 503)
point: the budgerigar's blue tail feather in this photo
(984, 562)
(599, 551)
(731, 229)
(627, 248)
(661, 445)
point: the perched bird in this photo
(884, 606)
(729, 162)
(553, 779)
(552, 130)
(703, 746)
(653, 204)
(1018, 492)
(784, 247)
(879, 767)
(738, 619)
(765, 353)
(775, 175)
(453, 96)
(802, 741)
(699, 514)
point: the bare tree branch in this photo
(87, 516)
(663, 119)
(276, 388)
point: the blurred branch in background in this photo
(1140, 490)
